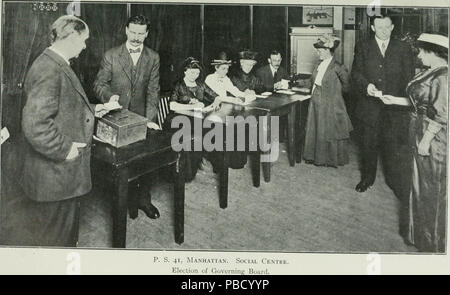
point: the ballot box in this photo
(121, 127)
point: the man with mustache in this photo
(129, 74)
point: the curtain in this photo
(106, 30)
(227, 28)
(25, 36)
(175, 33)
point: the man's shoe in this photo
(150, 210)
(362, 186)
(145, 204)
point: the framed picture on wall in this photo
(317, 15)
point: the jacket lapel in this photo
(124, 60)
(142, 62)
(71, 75)
(377, 49)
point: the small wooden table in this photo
(119, 166)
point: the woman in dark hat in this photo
(244, 78)
(424, 213)
(328, 124)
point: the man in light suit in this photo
(383, 65)
(58, 124)
(272, 73)
(129, 74)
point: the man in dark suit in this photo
(57, 123)
(383, 65)
(272, 73)
(129, 74)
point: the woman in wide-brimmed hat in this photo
(424, 213)
(328, 124)
(244, 79)
(219, 81)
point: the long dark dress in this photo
(183, 94)
(426, 206)
(328, 125)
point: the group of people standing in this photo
(402, 115)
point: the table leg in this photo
(179, 197)
(223, 183)
(266, 165)
(255, 160)
(291, 136)
(120, 202)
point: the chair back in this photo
(163, 110)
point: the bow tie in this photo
(135, 50)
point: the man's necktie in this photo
(135, 50)
(383, 48)
(275, 77)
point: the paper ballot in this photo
(114, 105)
(4, 135)
(378, 93)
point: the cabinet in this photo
(303, 54)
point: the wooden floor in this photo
(303, 209)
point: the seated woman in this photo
(328, 124)
(244, 78)
(189, 93)
(425, 210)
(221, 84)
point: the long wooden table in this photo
(119, 166)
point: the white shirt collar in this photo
(60, 54)
(273, 69)
(128, 45)
(380, 42)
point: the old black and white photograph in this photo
(225, 127)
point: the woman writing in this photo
(189, 93)
(427, 91)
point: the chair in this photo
(163, 110)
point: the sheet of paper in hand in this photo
(301, 89)
(378, 93)
(4, 135)
(234, 100)
(285, 92)
(114, 105)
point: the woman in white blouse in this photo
(328, 125)
(221, 84)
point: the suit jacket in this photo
(139, 95)
(335, 82)
(265, 75)
(390, 74)
(56, 114)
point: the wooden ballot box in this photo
(121, 127)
